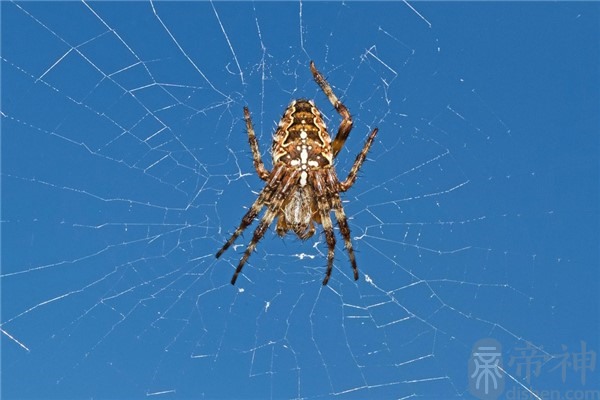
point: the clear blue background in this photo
(125, 166)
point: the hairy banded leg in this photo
(246, 221)
(324, 208)
(259, 232)
(360, 158)
(329, 238)
(258, 204)
(346, 124)
(340, 215)
(273, 209)
(258, 164)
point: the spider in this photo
(302, 188)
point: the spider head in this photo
(298, 213)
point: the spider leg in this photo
(323, 206)
(346, 124)
(259, 232)
(360, 158)
(246, 221)
(273, 209)
(340, 215)
(329, 238)
(258, 204)
(258, 163)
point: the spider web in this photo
(126, 167)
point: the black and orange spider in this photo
(303, 188)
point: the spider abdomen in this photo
(302, 141)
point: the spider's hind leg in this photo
(360, 159)
(257, 159)
(346, 124)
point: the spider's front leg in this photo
(274, 205)
(346, 124)
(263, 198)
(258, 163)
(340, 215)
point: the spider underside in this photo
(302, 188)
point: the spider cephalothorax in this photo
(302, 188)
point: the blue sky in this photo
(126, 166)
